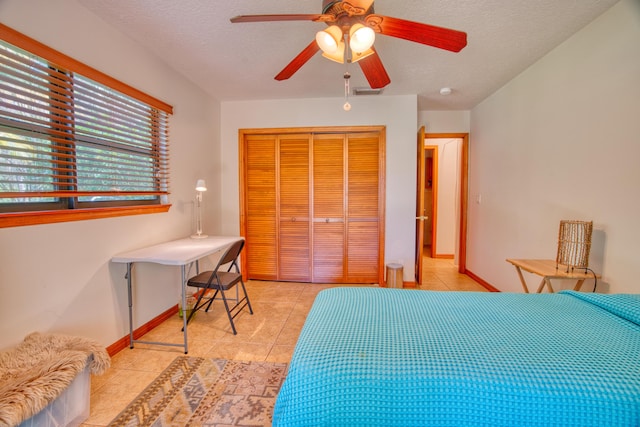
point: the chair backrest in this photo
(231, 256)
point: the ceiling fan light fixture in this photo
(361, 38)
(337, 55)
(355, 24)
(329, 40)
(355, 56)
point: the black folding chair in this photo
(222, 281)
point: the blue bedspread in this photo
(391, 357)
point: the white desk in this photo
(182, 252)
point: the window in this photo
(75, 143)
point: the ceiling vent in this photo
(366, 91)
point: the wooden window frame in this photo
(88, 211)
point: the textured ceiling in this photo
(239, 61)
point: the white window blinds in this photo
(69, 141)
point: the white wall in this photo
(58, 277)
(562, 141)
(397, 113)
(445, 121)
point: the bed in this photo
(397, 357)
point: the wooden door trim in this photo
(464, 190)
(420, 184)
(314, 129)
(382, 199)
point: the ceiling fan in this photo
(351, 33)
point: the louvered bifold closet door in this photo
(294, 245)
(328, 208)
(260, 195)
(363, 207)
(313, 204)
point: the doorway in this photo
(430, 210)
(442, 203)
(447, 198)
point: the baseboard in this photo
(123, 342)
(482, 282)
(468, 273)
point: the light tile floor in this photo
(442, 275)
(270, 334)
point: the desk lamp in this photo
(574, 244)
(200, 188)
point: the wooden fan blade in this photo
(298, 61)
(267, 18)
(374, 71)
(430, 35)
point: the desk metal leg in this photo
(184, 306)
(128, 276)
(130, 296)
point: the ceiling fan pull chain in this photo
(346, 105)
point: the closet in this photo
(312, 204)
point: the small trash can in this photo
(191, 302)
(394, 276)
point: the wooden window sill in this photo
(18, 219)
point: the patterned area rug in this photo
(195, 391)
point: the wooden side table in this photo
(546, 268)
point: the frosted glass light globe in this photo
(361, 38)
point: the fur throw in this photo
(39, 369)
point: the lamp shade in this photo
(200, 185)
(337, 55)
(329, 39)
(574, 243)
(357, 56)
(361, 38)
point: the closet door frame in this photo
(380, 130)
